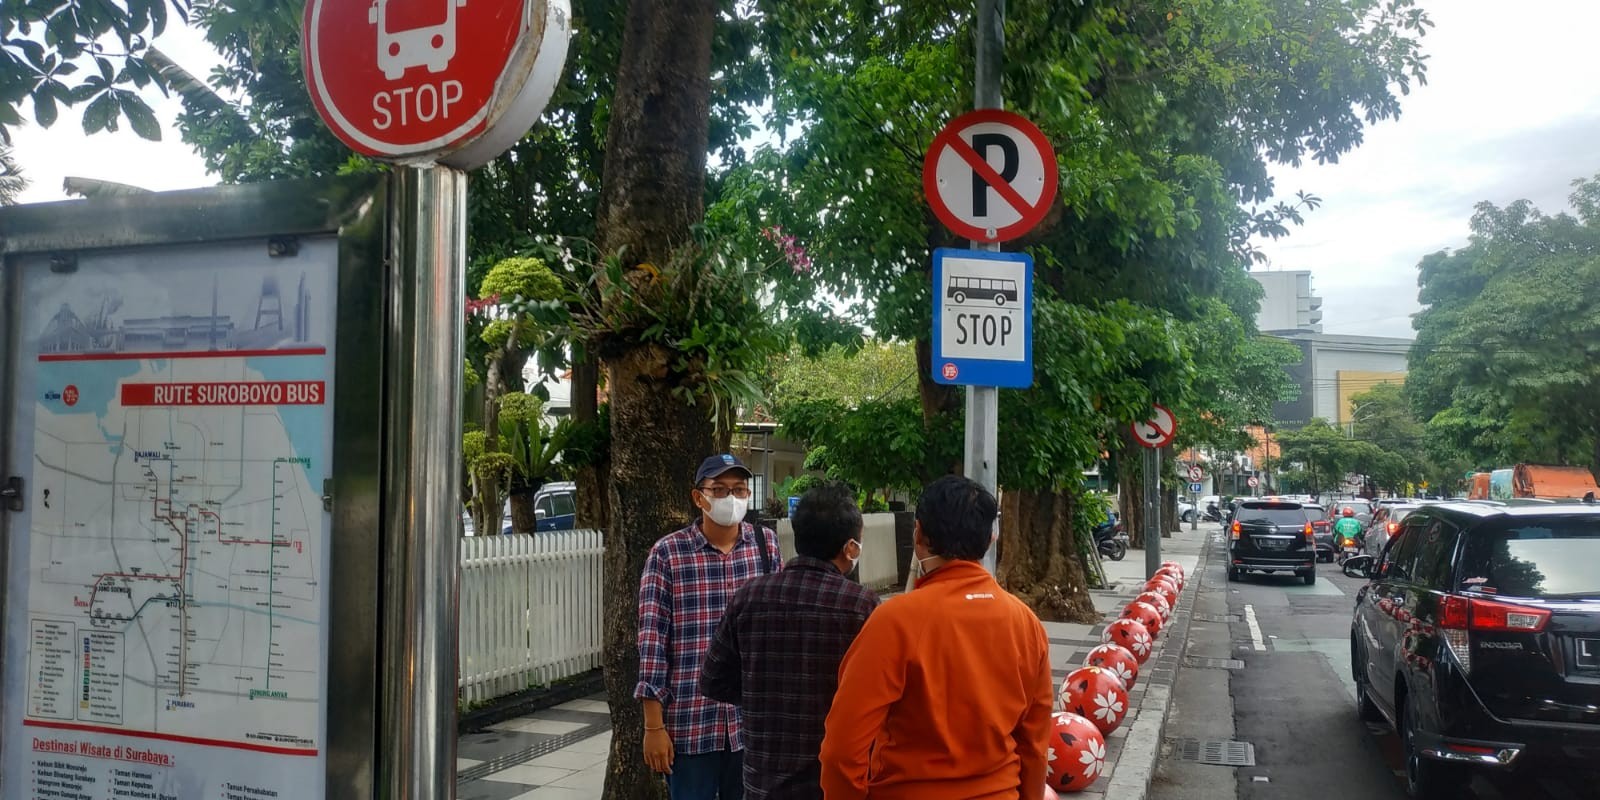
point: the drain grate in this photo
(1214, 663)
(1217, 618)
(1217, 753)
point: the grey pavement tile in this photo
(571, 715)
(490, 790)
(492, 745)
(530, 775)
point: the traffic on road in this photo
(1459, 660)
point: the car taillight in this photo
(1394, 527)
(1236, 530)
(1460, 616)
(1311, 533)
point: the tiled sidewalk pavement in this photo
(555, 754)
(560, 753)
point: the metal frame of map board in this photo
(276, 214)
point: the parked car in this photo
(1272, 536)
(1477, 638)
(1321, 530)
(556, 506)
(1186, 510)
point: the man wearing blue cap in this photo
(688, 579)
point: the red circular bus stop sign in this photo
(450, 81)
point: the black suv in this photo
(1478, 639)
(1272, 536)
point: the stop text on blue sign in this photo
(982, 318)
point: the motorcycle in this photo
(1110, 539)
(1348, 549)
(1213, 514)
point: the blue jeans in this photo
(708, 776)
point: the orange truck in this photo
(1541, 481)
(1479, 490)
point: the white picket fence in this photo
(530, 610)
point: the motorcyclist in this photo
(1348, 527)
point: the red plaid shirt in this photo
(686, 585)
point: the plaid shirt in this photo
(685, 587)
(776, 655)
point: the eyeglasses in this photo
(719, 492)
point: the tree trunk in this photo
(657, 443)
(652, 193)
(592, 479)
(1039, 562)
(523, 518)
(1130, 486)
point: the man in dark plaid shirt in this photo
(776, 654)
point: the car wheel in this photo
(1309, 576)
(1427, 779)
(1365, 708)
(1234, 573)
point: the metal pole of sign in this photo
(421, 482)
(1152, 511)
(983, 402)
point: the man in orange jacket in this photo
(946, 693)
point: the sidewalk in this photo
(560, 753)
(1133, 749)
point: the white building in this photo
(1289, 304)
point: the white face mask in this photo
(727, 510)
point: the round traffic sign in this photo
(1158, 430)
(990, 175)
(1195, 473)
(452, 81)
(1253, 482)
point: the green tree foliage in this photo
(1507, 362)
(57, 53)
(12, 181)
(870, 370)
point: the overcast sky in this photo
(1511, 111)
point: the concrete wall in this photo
(878, 567)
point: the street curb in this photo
(1141, 749)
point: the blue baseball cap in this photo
(717, 466)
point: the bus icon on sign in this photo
(430, 46)
(1000, 290)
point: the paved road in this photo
(1294, 699)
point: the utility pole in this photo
(983, 402)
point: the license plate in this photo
(1273, 544)
(1589, 653)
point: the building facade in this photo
(1335, 368)
(1288, 304)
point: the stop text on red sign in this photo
(235, 393)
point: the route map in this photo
(175, 561)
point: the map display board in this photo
(165, 630)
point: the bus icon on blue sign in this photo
(999, 290)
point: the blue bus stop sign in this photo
(982, 318)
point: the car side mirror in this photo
(1364, 567)
(538, 513)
